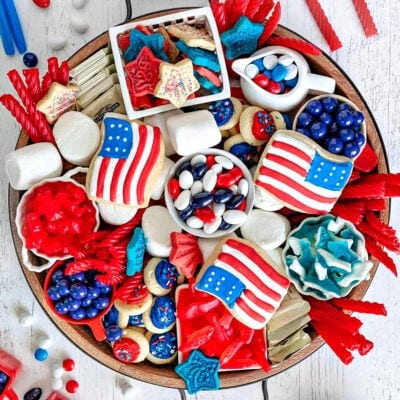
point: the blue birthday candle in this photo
(5, 32)
(15, 24)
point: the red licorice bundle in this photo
(234, 10)
(376, 250)
(360, 306)
(367, 160)
(265, 7)
(270, 25)
(295, 44)
(220, 16)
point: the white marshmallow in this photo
(157, 225)
(115, 214)
(31, 164)
(193, 131)
(267, 229)
(160, 120)
(158, 188)
(77, 137)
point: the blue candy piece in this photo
(199, 372)
(267, 73)
(329, 104)
(30, 60)
(304, 119)
(326, 118)
(53, 293)
(164, 345)
(291, 83)
(86, 302)
(101, 302)
(93, 292)
(202, 199)
(135, 252)
(224, 226)
(62, 287)
(344, 118)
(183, 167)
(138, 40)
(222, 196)
(244, 152)
(314, 107)
(166, 274)
(235, 202)
(41, 354)
(288, 120)
(33, 394)
(351, 149)
(78, 290)
(113, 333)
(318, 130)
(334, 145)
(186, 213)
(78, 314)
(346, 134)
(260, 65)
(72, 304)
(222, 111)
(279, 73)
(198, 170)
(200, 57)
(242, 38)
(3, 377)
(61, 308)
(91, 312)
(111, 318)
(163, 312)
(58, 274)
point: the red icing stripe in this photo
(249, 275)
(292, 150)
(289, 199)
(133, 168)
(252, 254)
(287, 163)
(249, 311)
(115, 179)
(260, 303)
(153, 157)
(296, 186)
(101, 177)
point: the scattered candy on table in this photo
(33, 394)
(68, 364)
(41, 354)
(71, 386)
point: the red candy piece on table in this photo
(365, 17)
(261, 80)
(376, 250)
(42, 3)
(205, 214)
(71, 386)
(143, 72)
(56, 396)
(173, 188)
(273, 87)
(68, 364)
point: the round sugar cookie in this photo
(160, 276)
(115, 214)
(77, 137)
(267, 229)
(133, 347)
(157, 225)
(161, 317)
(163, 347)
(226, 112)
(281, 121)
(158, 188)
(125, 310)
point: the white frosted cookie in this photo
(158, 189)
(157, 225)
(115, 214)
(163, 347)
(267, 229)
(77, 137)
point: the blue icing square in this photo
(329, 174)
(222, 284)
(118, 138)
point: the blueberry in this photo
(334, 144)
(334, 128)
(58, 274)
(314, 107)
(91, 312)
(30, 60)
(61, 307)
(326, 118)
(72, 304)
(304, 120)
(53, 294)
(93, 292)
(78, 314)
(106, 289)
(344, 118)
(318, 130)
(114, 333)
(78, 290)
(359, 139)
(358, 117)
(3, 377)
(101, 303)
(304, 131)
(86, 301)
(62, 287)
(346, 134)
(329, 104)
(351, 149)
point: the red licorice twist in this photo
(365, 18)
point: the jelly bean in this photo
(224, 161)
(261, 80)
(224, 225)
(326, 118)
(243, 187)
(279, 72)
(346, 134)
(184, 166)
(237, 173)
(270, 61)
(273, 87)
(78, 314)
(314, 107)
(186, 213)
(329, 104)
(197, 187)
(30, 60)
(173, 188)
(71, 386)
(268, 73)
(202, 199)
(234, 217)
(251, 71)
(205, 214)
(318, 130)
(210, 160)
(198, 170)
(113, 333)
(222, 196)
(210, 179)
(198, 158)
(344, 118)
(259, 63)
(33, 394)
(183, 200)
(283, 88)
(218, 208)
(235, 202)
(212, 226)
(233, 189)
(334, 144)
(288, 120)
(291, 72)
(194, 222)
(226, 179)
(242, 206)
(78, 290)
(41, 354)
(217, 168)
(185, 179)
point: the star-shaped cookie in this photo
(58, 99)
(143, 72)
(177, 82)
(193, 36)
(242, 38)
(199, 372)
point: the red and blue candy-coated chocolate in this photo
(166, 274)
(164, 345)
(163, 312)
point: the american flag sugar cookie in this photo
(128, 164)
(301, 174)
(244, 278)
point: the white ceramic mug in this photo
(308, 83)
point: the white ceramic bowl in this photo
(200, 232)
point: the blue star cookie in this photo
(199, 372)
(138, 40)
(242, 38)
(201, 57)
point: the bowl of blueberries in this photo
(210, 193)
(78, 298)
(335, 123)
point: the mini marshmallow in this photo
(31, 164)
(45, 342)
(157, 225)
(158, 188)
(115, 214)
(160, 120)
(77, 137)
(267, 229)
(25, 319)
(193, 131)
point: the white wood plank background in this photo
(373, 65)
